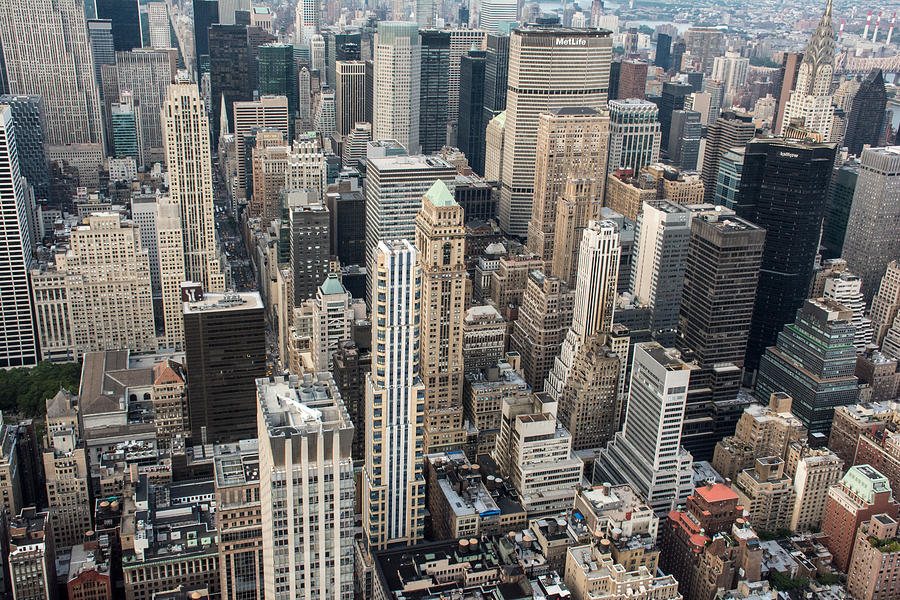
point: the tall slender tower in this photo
(308, 16)
(396, 86)
(47, 52)
(440, 239)
(190, 180)
(810, 102)
(572, 143)
(18, 342)
(393, 483)
(549, 67)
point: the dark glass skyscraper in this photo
(206, 14)
(229, 59)
(840, 199)
(866, 121)
(471, 133)
(28, 123)
(663, 56)
(784, 188)
(496, 69)
(434, 90)
(276, 73)
(672, 99)
(126, 22)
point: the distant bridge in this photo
(843, 63)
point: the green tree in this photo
(25, 391)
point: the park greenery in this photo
(24, 391)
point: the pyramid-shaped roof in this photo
(440, 194)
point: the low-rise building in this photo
(875, 567)
(620, 520)
(484, 338)
(854, 420)
(592, 574)
(483, 393)
(32, 556)
(815, 471)
(766, 494)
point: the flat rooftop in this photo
(231, 301)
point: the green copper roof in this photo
(332, 285)
(440, 194)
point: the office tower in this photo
(672, 99)
(351, 364)
(728, 180)
(494, 14)
(862, 493)
(19, 340)
(871, 240)
(471, 129)
(105, 275)
(229, 71)
(815, 472)
(684, 139)
(393, 483)
(225, 351)
(307, 22)
(354, 151)
(790, 68)
(661, 240)
(843, 287)
(170, 249)
(663, 56)
(783, 190)
(819, 375)
(228, 8)
(30, 123)
(395, 184)
(496, 71)
(886, 303)
(317, 60)
(397, 53)
(840, 201)
(720, 277)
(47, 52)
(493, 147)
(147, 74)
(343, 46)
(810, 101)
(347, 207)
(269, 112)
(350, 95)
(206, 14)
(306, 472)
(187, 143)
(461, 42)
(571, 147)
(310, 244)
(434, 90)
(66, 473)
(590, 418)
(732, 70)
(425, 12)
(126, 141)
(545, 315)
(678, 50)
(126, 23)
(647, 453)
(158, 19)
(572, 62)
(103, 47)
(632, 79)
(440, 240)
(615, 71)
(634, 135)
(277, 75)
(32, 557)
(730, 130)
(864, 127)
(333, 319)
(704, 44)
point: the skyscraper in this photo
(496, 71)
(440, 240)
(393, 482)
(147, 74)
(102, 47)
(350, 95)
(574, 64)
(663, 56)
(461, 41)
(397, 54)
(871, 241)
(277, 75)
(571, 146)
(269, 112)
(306, 471)
(886, 303)
(126, 23)
(729, 130)
(720, 279)
(434, 89)
(810, 101)
(783, 189)
(672, 99)
(634, 135)
(30, 122)
(471, 129)
(632, 79)
(704, 44)
(225, 352)
(684, 139)
(47, 52)
(170, 248)
(864, 127)
(307, 21)
(813, 361)
(18, 342)
(661, 240)
(647, 453)
(229, 72)
(206, 14)
(228, 8)
(310, 242)
(187, 141)
(493, 14)
(158, 19)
